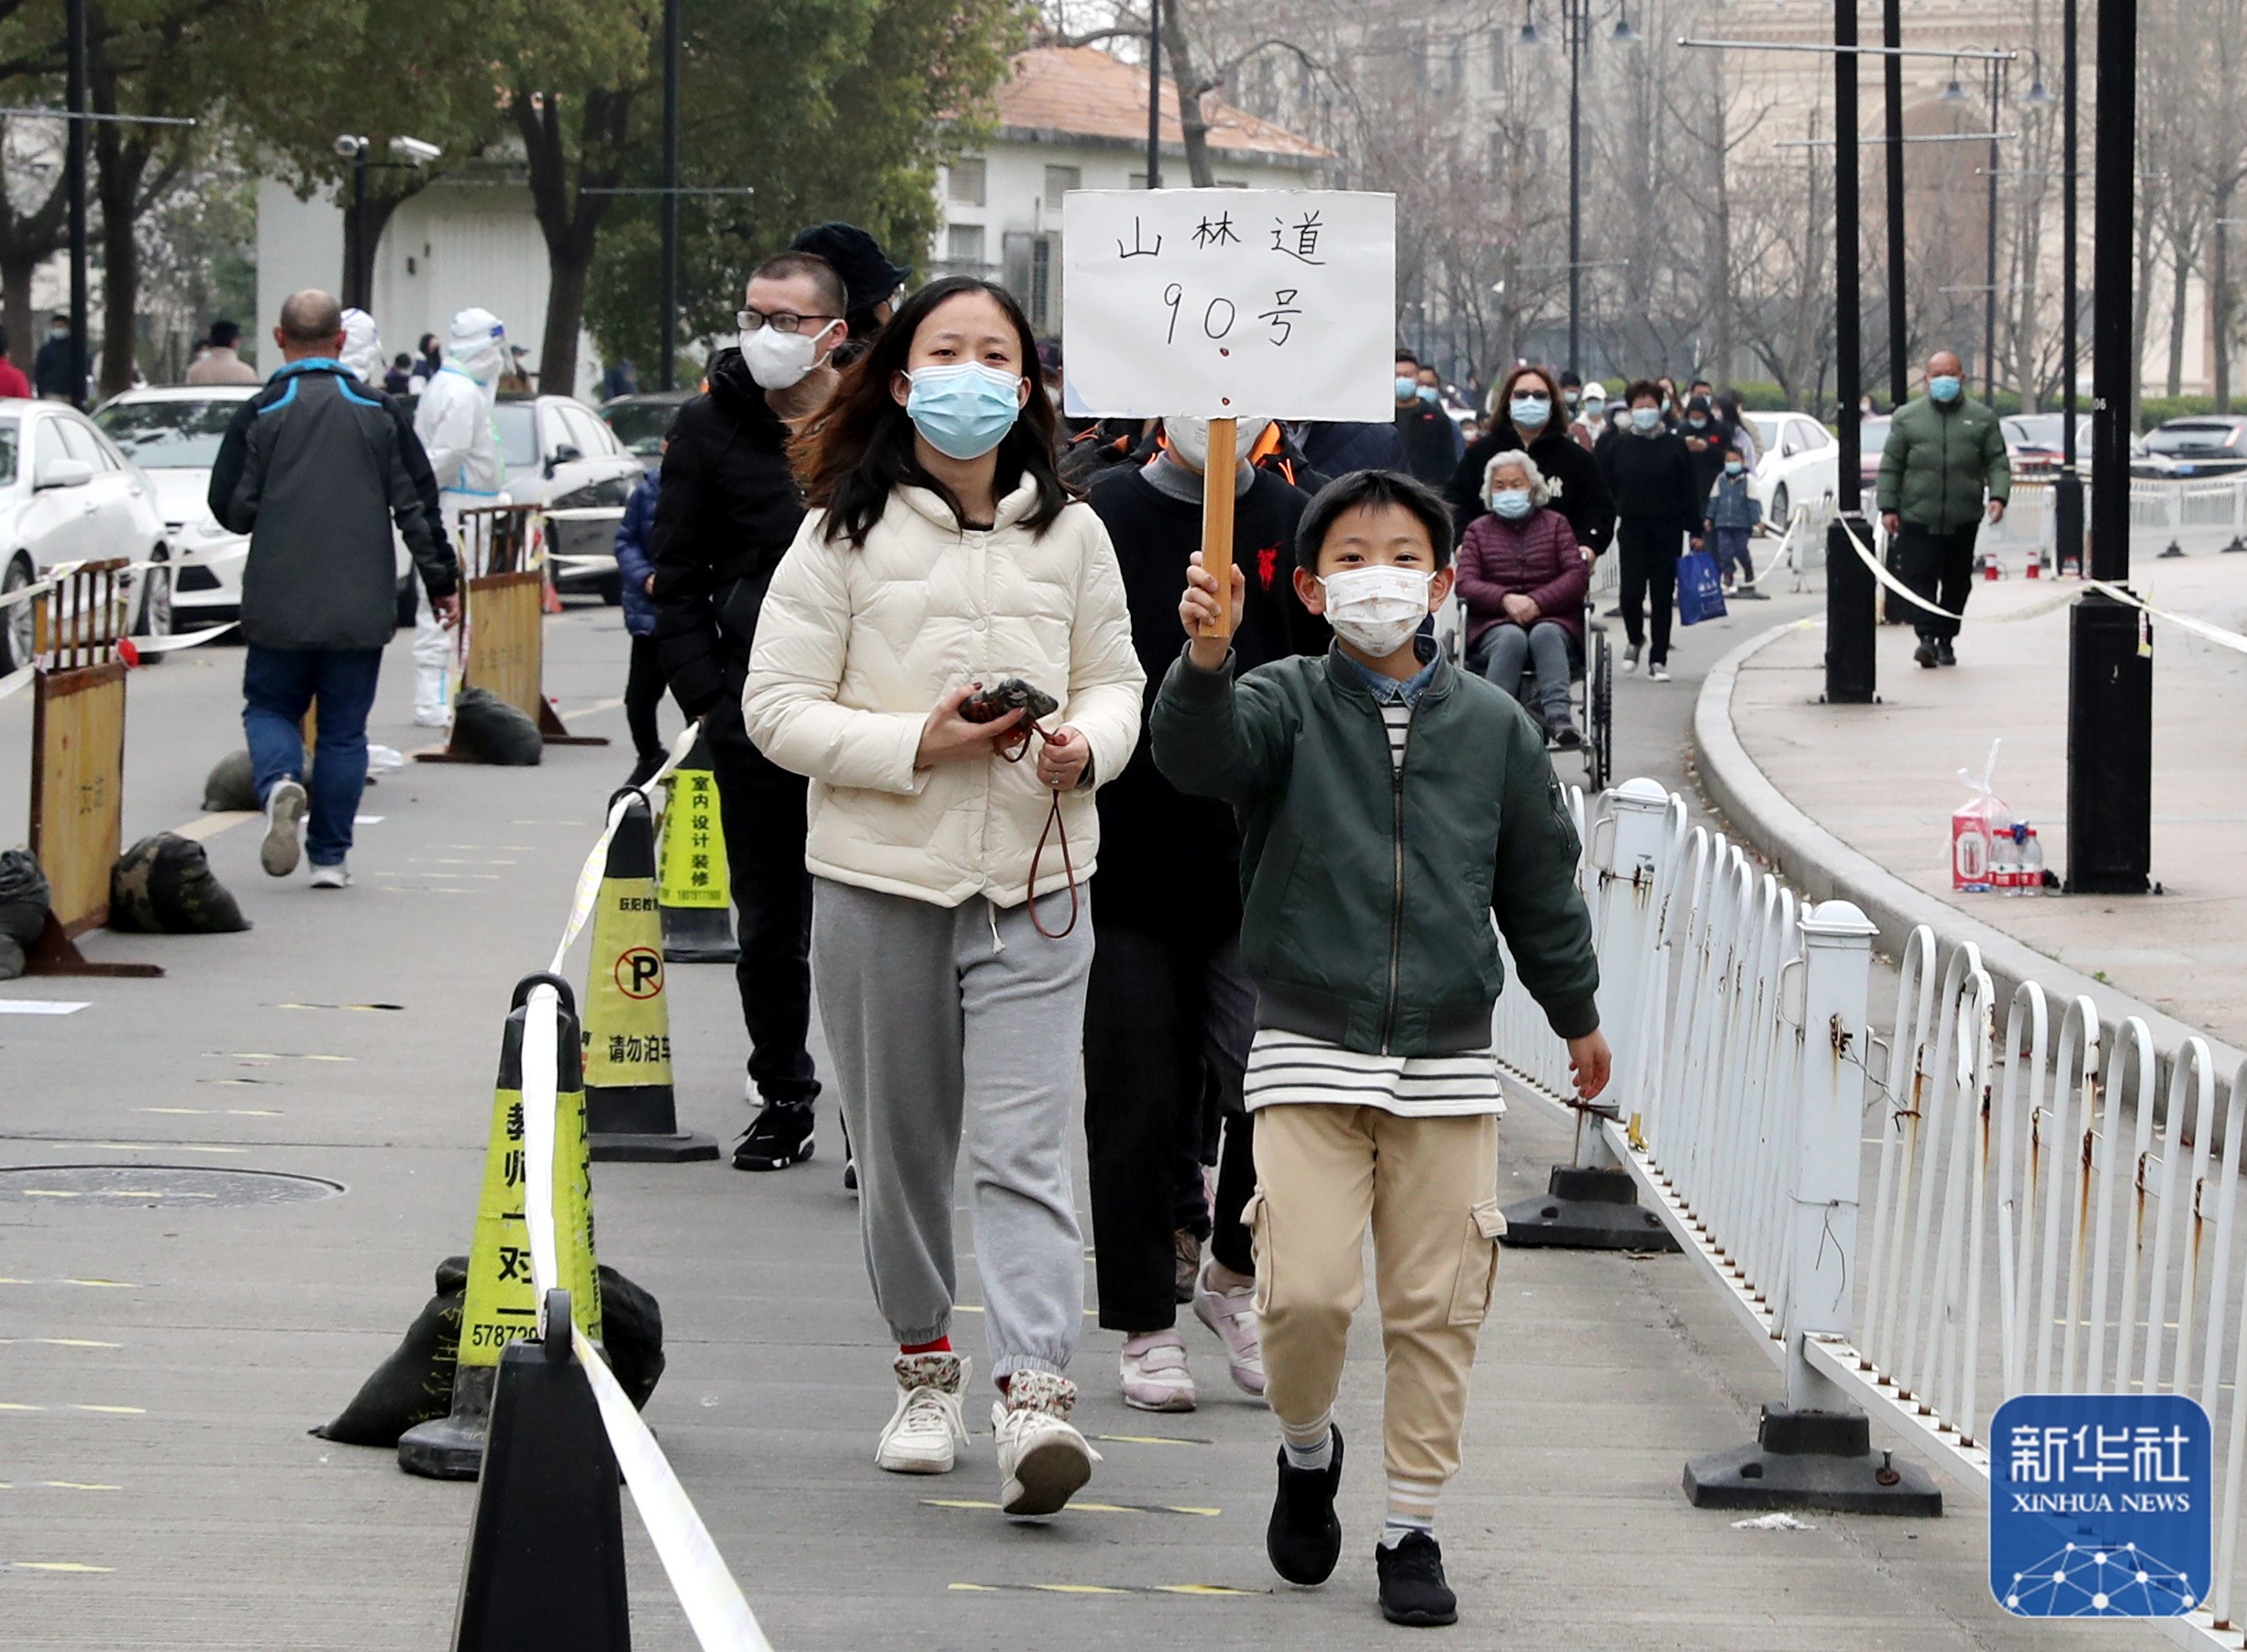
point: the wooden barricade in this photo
(502, 625)
(78, 763)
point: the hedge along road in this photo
(164, 1354)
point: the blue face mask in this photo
(1530, 412)
(1407, 389)
(964, 409)
(1426, 392)
(1646, 420)
(1731, 467)
(1945, 386)
(1511, 503)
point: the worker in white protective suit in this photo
(454, 422)
(362, 348)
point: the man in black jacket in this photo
(728, 510)
(314, 468)
(1169, 1014)
(1425, 427)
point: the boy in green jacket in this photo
(1391, 806)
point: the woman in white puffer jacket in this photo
(942, 556)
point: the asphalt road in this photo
(163, 1353)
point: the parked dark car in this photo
(2207, 444)
(2035, 444)
(641, 422)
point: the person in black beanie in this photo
(871, 284)
(1529, 415)
(1169, 1014)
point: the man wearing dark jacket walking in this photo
(727, 512)
(1944, 453)
(314, 468)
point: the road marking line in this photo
(58, 1342)
(1151, 1439)
(1090, 1508)
(54, 1566)
(119, 1411)
(17, 1405)
(1214, 1590)
(38, 1007)
(104, 1284)
(78, 1485)
(339, 1006)
(205, 827)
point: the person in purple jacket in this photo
(636, 577)
(1523, 580)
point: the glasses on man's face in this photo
(780, 321)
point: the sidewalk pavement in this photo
(1855, 800)
(161, 1357)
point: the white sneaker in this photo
(1042, 1461)
(924, 1433)
(1155, 1378)
(1630, 658)
(1657, 674)
(1232, 1316)
(331, 877)
(285, 812)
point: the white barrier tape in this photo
(2198, 627)
(583, 558)
(183, 640)
(596, 863)
(586, 513)
(715, 1609)
(1865, 553)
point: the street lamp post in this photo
(1576, 16)
(2067, 494)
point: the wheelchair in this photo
(1591, 678)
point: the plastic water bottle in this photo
(2005, 862)
(2032, 864)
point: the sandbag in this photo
(415, 1384)
(163, 886)
(486, 729)
(232, 784)
(23, 894)
(11, 960)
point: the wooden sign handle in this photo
(1217, 508)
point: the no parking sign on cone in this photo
(630, 1109)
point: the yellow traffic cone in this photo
(631, 1112)
(502, 1303)
(697, 920)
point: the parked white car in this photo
(1800, 463)
(66, 495)
(173, 433)
(561, 454)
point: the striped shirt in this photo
(1293, 1069)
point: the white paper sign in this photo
(1229, 302)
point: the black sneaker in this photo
(777, 1138)
(1412, 1589)
(1925, 654)
(1945, 654)
(1304, 1538)
(1567, 736)
(646, 766)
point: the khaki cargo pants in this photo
(1428, 1189)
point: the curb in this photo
(1822, 867)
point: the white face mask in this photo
(1189, 439)
(1376, 610)
(779, 360)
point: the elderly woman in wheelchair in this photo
(1523, 580)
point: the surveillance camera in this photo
(348, 147)
(415, 150)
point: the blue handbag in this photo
(1700, 589)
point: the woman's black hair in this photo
(1370, 490)
(1641, 387)
(859, 447)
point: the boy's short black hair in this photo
(1641, 387)
(1406, 355)
(1370, 490)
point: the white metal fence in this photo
(2043, 1220)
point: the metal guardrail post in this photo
(1815, 1451)
(1592, 1203)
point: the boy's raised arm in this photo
(1539, 908)
(1211, 737)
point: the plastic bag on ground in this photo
(487, 729)
(23, 894)
(164, 885)
(1975, 826)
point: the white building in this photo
(471, 239)
(1072, 118)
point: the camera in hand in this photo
(992, 701)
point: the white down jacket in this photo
(856, 646)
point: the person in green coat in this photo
(1943, 469)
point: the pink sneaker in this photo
(1232, 1316)
(1155, 1374)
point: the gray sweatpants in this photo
(942, 1028)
